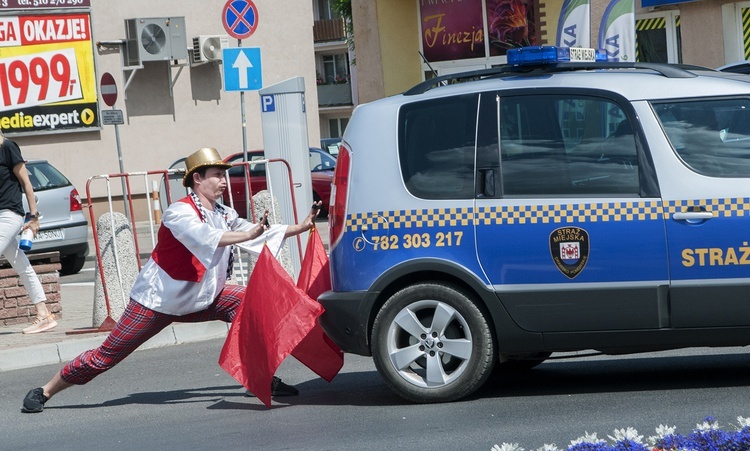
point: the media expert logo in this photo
(569, 247)
(64, 119)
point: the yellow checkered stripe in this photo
(570, 213)
(545, 214)
(727, 208)
(443, 217)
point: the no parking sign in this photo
(240, 18)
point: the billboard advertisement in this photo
(47, 76)
(458, 30)
(452, 31)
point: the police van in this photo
(558, 203)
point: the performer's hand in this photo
(261, 227)
(306, 224)
(309, 221)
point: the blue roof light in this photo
(547, 54)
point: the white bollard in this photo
(120, 268)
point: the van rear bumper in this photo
(346, 318)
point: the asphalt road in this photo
(178, 397)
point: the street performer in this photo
(185, 278)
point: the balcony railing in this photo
(329, 30)
(335, 94)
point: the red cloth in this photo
(272, 319)
(317, 351)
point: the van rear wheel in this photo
(431, 343)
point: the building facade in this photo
(401, 42)
(171, 97)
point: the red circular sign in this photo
(108, 89)
(240, 18)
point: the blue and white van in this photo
(540, 207)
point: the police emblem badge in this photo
(569, 247)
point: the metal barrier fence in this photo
(155, 182)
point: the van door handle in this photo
(693, 216)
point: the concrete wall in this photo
(161, 128)
(370, 85)
(399, 25)
(702, 39)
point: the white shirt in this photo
(156, 290)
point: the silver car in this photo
(62, 226)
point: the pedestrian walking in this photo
(14, 179)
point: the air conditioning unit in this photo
(208, 48)
(155, 39)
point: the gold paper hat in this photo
(207, 156)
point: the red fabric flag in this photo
(272, 319)
(317, 351)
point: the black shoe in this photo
(279, 388)
(34, 401)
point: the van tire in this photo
(433, 361)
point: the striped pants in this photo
(136, 326)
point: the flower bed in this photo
(707, 436)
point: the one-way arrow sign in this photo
(242, 69)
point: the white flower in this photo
(587, 438)
(548, 447)
(743, 422)
(507, 447)
(707, 426)
(662, 431)
(626, 434)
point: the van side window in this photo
(555, 145)
(436, 147)
(712, 137)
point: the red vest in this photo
(174, 258)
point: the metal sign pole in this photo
(122, 170)
(248, 213)
(240, 19)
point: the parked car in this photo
(62, 225)
(321, 172)
(538, 207)
(331, 145)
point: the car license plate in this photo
(582, 54)
(49, 235)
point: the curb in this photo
(52, 353)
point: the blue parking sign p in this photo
(267, 103)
